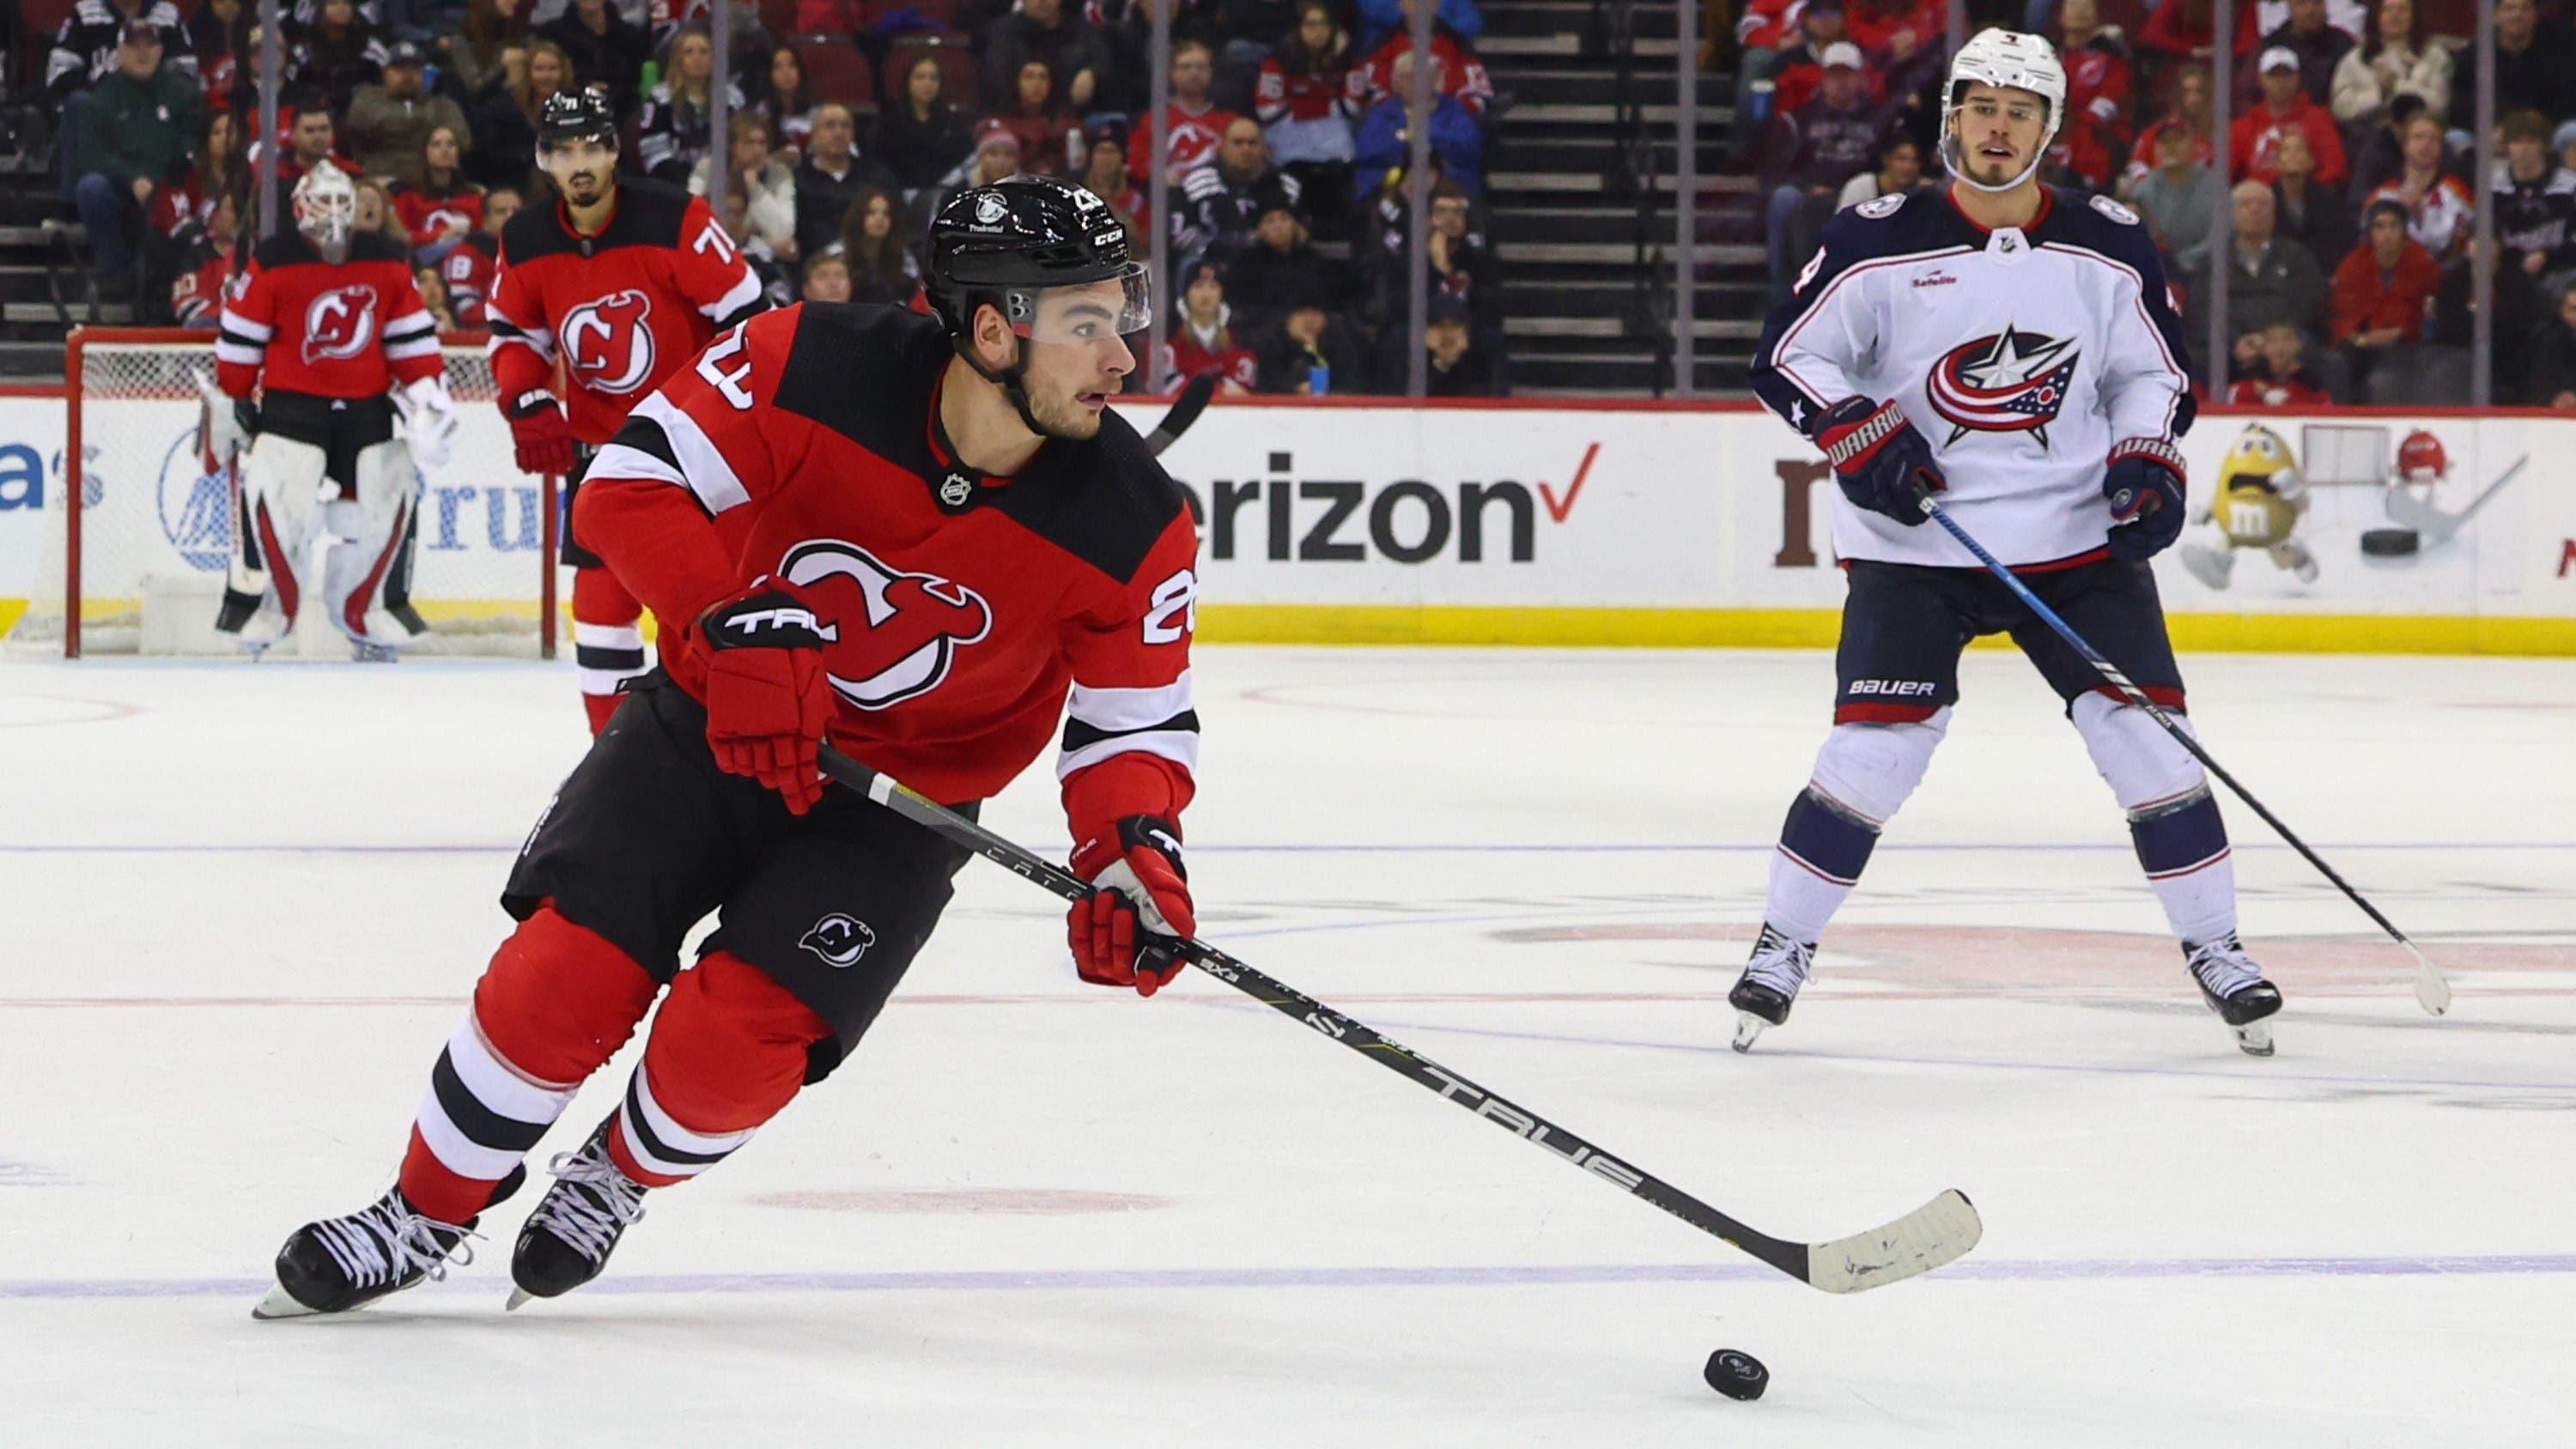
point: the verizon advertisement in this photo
(1578, 525)
(1731, 510)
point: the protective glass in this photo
(1084, 312)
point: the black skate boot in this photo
(1769, 986)
(348, 1262)
(568, 1238)
(2234, 988)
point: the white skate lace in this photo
(1779, 962)
(2223, 967)
(387, 1241)
(590, 1221)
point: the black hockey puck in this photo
(2390, 542)
(1736, 1374)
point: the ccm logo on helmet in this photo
(339, 323)
(608, 344)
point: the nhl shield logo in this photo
(955, 489)
(839, 940)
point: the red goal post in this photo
(154, 528)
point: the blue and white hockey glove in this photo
(1878, 457)
(2143, 480)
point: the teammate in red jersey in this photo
(319, 328)
(624, 280)
(923, 538)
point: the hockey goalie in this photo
(331, 383)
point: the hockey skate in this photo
(1769, 986)
(2234, 988)
(568, 1238)
(338, 1264)
(362, 652)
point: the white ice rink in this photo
(244, 905)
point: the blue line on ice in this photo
(1985, 1270)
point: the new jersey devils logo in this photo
(839, 939)
(608, 344)
(898, 632)
(2005, 382)
(339, 323)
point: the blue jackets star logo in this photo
(2006, 382)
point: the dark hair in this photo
(2526, 125)
(1295, 59)
(800, 101)
(878, 261)
(1887, 148)
(1047, 102)
(2371, 45)
(2385, 207)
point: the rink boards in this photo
(1355, 522)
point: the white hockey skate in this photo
(1769, 986)
(2234, 988)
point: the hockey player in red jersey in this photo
(319, 328)
(923, 538)
(624, 279)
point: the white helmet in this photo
(326, 206)
(2008, 59)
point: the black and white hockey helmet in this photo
(575, 115)
(2007, 60)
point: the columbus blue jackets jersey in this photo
(2023, 355)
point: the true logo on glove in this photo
(840, 940)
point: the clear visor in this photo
(1084, 312)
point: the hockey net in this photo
(151, 539)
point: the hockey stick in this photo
(2431, 991)
(1918, 1242)
(1185, 411)
(2408, 511)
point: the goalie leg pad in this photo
(556, 1002)
(370, 532)
(728, 1051)
(1863, 775)
(2174, 822)
(281, 482)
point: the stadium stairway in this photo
(1580, 193)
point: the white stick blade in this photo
(1938, 1232)
(2431, 992)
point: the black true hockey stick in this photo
(2431, 991)
(1185, 411)
(1918, 1242)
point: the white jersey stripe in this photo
(1179, 746)
(1116, 709)
(702, 464)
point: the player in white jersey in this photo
(2013, 348)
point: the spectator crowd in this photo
(1283, 210)
(2342, 201)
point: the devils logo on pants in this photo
(608, 344)
(898, 632)
(340, 323)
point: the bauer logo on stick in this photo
(840, 940)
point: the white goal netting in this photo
(156, 521)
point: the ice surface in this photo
(243, 906)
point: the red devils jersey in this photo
(965, 614)
(624, 308)
(301, 324)
(468, 271)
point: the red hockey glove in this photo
(537, 426)
(1125, 932)
(1878, 457)
(768, 701)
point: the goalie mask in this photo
(2007, 60)
(326, 210)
